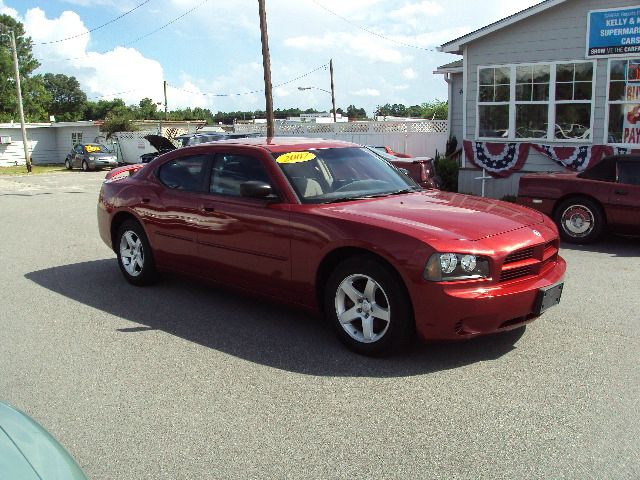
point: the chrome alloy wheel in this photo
(577, 220)
(362, 308)
(131, 253)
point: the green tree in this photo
(100, 109)
(147, 110)
(67, 100)
(355, 113)
(27, 64)
(119, 119)
(435, 110)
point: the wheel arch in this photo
(118, 219)
(338, 255)
(568, 196)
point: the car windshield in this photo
(341, 174)
(94, 148)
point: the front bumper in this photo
(454, 312)
(103, 163)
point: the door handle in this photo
(208, 208)
(621, 192)
(146, 200)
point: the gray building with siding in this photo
(529, 78)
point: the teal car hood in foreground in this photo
(29, 452)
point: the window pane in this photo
(564, 91)
(486, 76)
(582, 91)
(584, 72)
(231, 171)
(540, 92)
(524, 74)
(493, 121)
(617, 69)
(523, 92)
(616, 122)
(486, 94)
(541, 73)
(633, 70)
(616, 91)
(502, 93)
(184, 173)
(531, 121)
(503, 75)
(573, 120)
(564, 72)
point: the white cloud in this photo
(367, 92)
(416, 14)
(359, 44)
(4, 10)
(409, 73)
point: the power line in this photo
(371, 32)
(146, 34)
(96, 28)
(323, 66)
(114, 94)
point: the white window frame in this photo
(76, 135)
(552, 102)
(616, 102)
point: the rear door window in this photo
(184, 173)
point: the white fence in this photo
(415, 138)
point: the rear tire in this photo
(367, 304)
(580, 220)
(135, 257)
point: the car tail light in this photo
(424, 172)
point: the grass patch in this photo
(37, 169)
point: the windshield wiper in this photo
(373, 195)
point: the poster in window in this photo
(613, 32)
(631, 112)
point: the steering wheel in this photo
(360, 185)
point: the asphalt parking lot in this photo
(183, 381)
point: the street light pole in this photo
(16, 69)
(266, 63)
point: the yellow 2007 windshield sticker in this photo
(92, 148)
(295, 157)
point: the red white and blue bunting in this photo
(576, 159)
(499, 160)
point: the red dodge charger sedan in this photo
(332, 227)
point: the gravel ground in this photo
(182, 381)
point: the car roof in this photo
(287, 144)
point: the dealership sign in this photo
(613, 32)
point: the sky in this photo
(209, 51)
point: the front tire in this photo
(135, 257)
(67, 164)
(367, 304)
(85, 166)
(580, 220)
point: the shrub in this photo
(447, 170)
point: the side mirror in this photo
(257, 189)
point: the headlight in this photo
(92, 158)
(446, 267)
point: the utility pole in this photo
(16, 70)
(165, 101)
(266, 64)
(333, 92)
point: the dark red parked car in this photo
(583, 205)
(332, 227)
(421, 169)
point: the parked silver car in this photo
(90, 156)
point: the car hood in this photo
(160, 143)
(29, 452)
(432, 214)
